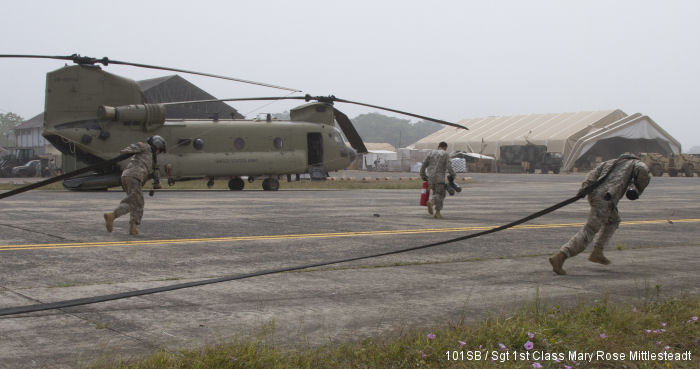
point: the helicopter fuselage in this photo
(310, 141)
(224, 148)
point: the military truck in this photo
(528, 158)
(551, 161)
(656, 163)
(683, 163)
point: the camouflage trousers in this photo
(133, 202)
(603, 220)
(439, 192)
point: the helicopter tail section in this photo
(74, 93)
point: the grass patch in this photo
(64, 285)
(652, 325)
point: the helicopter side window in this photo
(277, 142)
(239, 143)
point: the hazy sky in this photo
(447, 59)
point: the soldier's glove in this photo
(451, 178)
(424, 177)
(450, 189)
(582, 193)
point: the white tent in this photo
(574, 135)
(635, 133)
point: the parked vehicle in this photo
(16, 157)
(528, 158)
(657, 163)
(682, 163)
(30, 169)
(551, 161)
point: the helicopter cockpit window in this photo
(339, 137)
(239, 143)
(277, 142)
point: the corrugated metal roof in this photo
(175, 88)
(34, 122)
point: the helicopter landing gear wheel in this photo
(236, 184)
(210, 183)
(271, 184)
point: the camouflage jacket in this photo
(615, 184)
(141, 163)
(436, 165)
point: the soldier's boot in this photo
(133, 230)
(430, 207)
(437, 214)
(557, 262)
(109, 221)
(598, 257)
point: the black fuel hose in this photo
(116, 296)
(65, 176)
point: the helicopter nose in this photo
(348, 152)
(353, 154)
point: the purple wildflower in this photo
(531, 335)
(537, 365)
(461, 343)
(502, 347)
(528, 345)
(603, 336)
(667, 348)
(567, 366)
(431, 336)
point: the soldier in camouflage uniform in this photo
(624, 176)
(433, 170)
(142, 165)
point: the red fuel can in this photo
(424, 194)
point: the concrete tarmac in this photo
(54, 246)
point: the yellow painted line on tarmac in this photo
(313, 235)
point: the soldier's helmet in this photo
(640, 174)
(157, 142)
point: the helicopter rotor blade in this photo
(350, 132)
(83, 60)
(400, 112)
(327, 99)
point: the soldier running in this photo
(433, 170)
(625, 176)
(142, 165)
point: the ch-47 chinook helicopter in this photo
(93, 114)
